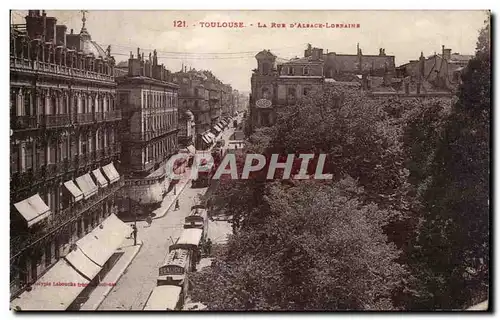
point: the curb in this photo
(118, 279)
(178, 193)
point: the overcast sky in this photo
(229, 53)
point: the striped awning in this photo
(100, 178)
(33, 209)
(87, 185)
(111, 173)
(73, 189)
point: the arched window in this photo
(290, 71)
(306, 71)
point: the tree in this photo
(318, 248)
(452, 254)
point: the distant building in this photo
(64, 146)
(207, 99)
(149, 102)
(443, 71)
(277, 82)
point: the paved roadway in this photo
(133, 289)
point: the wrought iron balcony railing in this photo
(24, 122)
(21, 242)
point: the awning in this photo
(78, 259)
(217, 128)
(211, 136)
(60, 289)
(206, 138)
(73, 189)
(33, 209)
(87, 186)
(191, 149)
(100, 178)
(111, 172)
(163, 298)
(99, 245)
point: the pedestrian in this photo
(149, 220)
(209, 246)
(177, 207)
(134, 232)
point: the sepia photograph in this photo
(250, 160)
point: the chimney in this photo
(134, 66)
(317, 53)
(61, 35)
(307, 52)
(447, 54)
(35, 24)
(381, 52)
(50, 33)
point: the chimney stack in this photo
(61, 35)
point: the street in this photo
(132, 290)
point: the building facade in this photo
(204, 99)
(442, 71)
(64, 143)
(277, 82)
(194, 109)
(149, 100)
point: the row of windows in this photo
(160, 121)
(288, 70)
(30, 155)
(159, 148)
(22, 103)
(155, 99)
(22, 49)
(291, 92)
(25, 271)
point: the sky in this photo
(230, 52)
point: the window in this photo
(53, 105)
(14, 159)
(290, 71)
(13, 103)
(27, 103)
(28, 154)
(52, 154)
(40, 156)
(306, 91)
(306, 71)
(48, 254)
(291, 93)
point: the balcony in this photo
(57, 120)
(24, 122)
(99, 117)
(85, 118)
(113, 115)
(23, 241)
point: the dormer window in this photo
(306, 71)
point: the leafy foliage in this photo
(317, 248)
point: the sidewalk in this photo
(100, 292)
(169, 199)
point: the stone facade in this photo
(277, 82)
(149, 101)
(64, 125)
